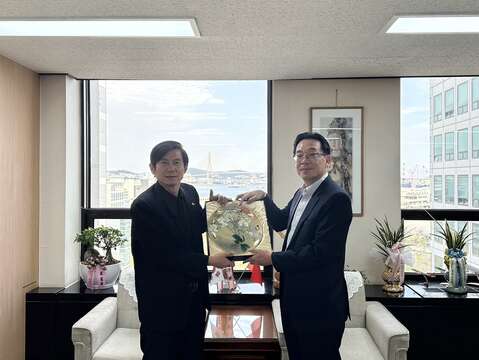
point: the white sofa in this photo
(372, 333)
(110, 331)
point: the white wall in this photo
(380, 98)
(60, 180)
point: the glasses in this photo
(311, 156)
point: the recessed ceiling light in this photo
(433, 24)
(93, 27)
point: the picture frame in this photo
(343, 128)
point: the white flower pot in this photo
(97, 278)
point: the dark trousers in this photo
(322, 343)
(186, 344)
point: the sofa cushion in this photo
(127, 316)
(357, 344)
(123, 344)
(357, 299)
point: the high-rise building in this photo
(454, 134)
(98, 143)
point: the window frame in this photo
(474, 190)
(437, 188)
(474, 94)
(462, 155)
(475, 144)
(446, 177)
(450, 113)
(462, 109)
(475, 240)
(437, 116)
(437, 157)
(449, 156)
(460, 200)
(470, 214)
(89, 214)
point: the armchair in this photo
(372, 333)
(109, 331)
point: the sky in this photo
(415, 123)
(225, 118)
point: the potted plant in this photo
(454, 256)
(390, 245)
(98, 271)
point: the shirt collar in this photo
(309, 190)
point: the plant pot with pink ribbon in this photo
(100, 271)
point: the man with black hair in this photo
(313, 293)
(171, 277)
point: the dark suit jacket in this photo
(313, 290)
(169, 260)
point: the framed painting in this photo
(343, 128)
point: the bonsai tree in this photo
(103, 237)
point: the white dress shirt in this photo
(306, 194)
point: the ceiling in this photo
(249, 39)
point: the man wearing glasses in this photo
(171, 277)
(313, 293)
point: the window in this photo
(437, 107)
(122, 253)
(475, 93)
(426, 162)
(475, 142)
(449, 103)
(437, 230)
(222, 125)
(462, 145)
(475, 240)
(475, 191)
(460, 225)
(462, 189)
(438, 188)
(438, 148)
(462, 98)
(449, 146)
(449, 189)
(438, 262)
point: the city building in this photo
(454, 133)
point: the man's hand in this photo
(222, 200)
(251, 196)
(220, 260)
(260, 257)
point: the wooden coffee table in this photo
(235, 332)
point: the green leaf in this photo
(238, 239)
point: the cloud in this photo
(216, 101)
(161, 94)
(199, 132)
(184, 115)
